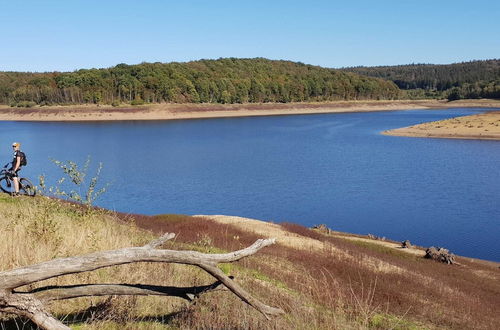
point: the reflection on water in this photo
(330, 168)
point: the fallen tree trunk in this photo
(93, 290)
(31, 304)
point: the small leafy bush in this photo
(84, 191)
(137, 102)
(23, 104)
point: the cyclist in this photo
(16, 166)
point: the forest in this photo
(466, 80)
(258, 80)
(227, 80)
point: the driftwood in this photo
(406, 244)
(322, 228)
(440, 254)
(31, 304)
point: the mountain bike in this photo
(7, 183)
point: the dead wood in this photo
(31, 304)
(440, 254)
(50, 293)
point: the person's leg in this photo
(16, 185)
(15, 178)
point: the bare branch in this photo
(159, 241)
(50, 293)
(240, 292)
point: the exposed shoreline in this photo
(484, 126)
(199, 111)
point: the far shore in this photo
(197, 111)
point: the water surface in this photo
(309, 169)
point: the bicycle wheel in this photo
(5, 185)
(26, 187)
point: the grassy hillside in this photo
(322, 281)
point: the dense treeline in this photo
(481, 89)
(432, 76)
(206, 81)
(475, 79)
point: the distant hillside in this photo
(432, 76)
(473, 79)
(228, 80)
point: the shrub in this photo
(137, 102)
(25, 104)
(85, 192)
(45, 103)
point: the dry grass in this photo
(318, 288)
(41, 229)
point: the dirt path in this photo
(268, 230)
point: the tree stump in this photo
(440, 254)
(406, 244)
(322, 228)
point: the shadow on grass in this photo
(17, 323)
(103, 312)
(96, 313)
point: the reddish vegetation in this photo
(421, 290)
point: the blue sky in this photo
(67, 35)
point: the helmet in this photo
(16, 144)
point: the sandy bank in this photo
(485, 126)
(194, 111)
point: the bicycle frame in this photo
(25, 185)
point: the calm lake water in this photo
(330, 168)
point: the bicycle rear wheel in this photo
(26, 187)
(5, 185)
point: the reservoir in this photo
(335, 169)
